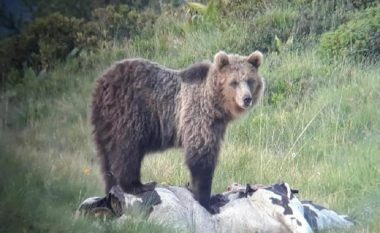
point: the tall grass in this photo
(317, 128)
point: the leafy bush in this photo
(263, 21)
(200, 12)
(363, 3)
(140, 23)
(70, 8)
(248, 9)
(83, 8)
(54, 37)
(359, 37)
(308, 17)
(318, 17)
(265, 28)
(45, 41)
(120, 22)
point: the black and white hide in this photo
(248, 208)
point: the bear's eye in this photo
(250, 82)
(234, 83)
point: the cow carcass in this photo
(249, 208)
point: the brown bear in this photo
(140, 107)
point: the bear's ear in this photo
(255, 58)
(195, 72)
(221, 59)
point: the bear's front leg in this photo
(201, 150)
(201, 183)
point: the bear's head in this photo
(240, 84)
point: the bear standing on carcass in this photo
(140, 107)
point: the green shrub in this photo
(141, 23)
(262, 20)
(248, 9)
(303, 17)
(200, 12)
(84, 8)
(70, 8)
(112, 20)
(363, 3)
(46, 41)
(359, 37)
(54, 37)
(317, 17)
(264, 29)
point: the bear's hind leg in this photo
(130, 174)
(108, 176)
(109, 180)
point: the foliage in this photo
(70, 8)
(249, 9)
(295, 82)
(55, 37)
(137, 4)
(82, 8)
(46, 41)
(357, 38)
(316, 127)
(309, 19)
(200, 12)
(263, 29)
(319, 16)
(363, 3)
(120, 22)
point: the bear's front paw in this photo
(139, 188)
(116, 201)
(213, 210)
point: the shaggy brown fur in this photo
(140, 107)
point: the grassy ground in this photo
(317, 128)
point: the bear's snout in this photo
(247, 100)
(243, 95)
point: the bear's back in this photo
(137, 97)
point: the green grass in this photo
(317, 128)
